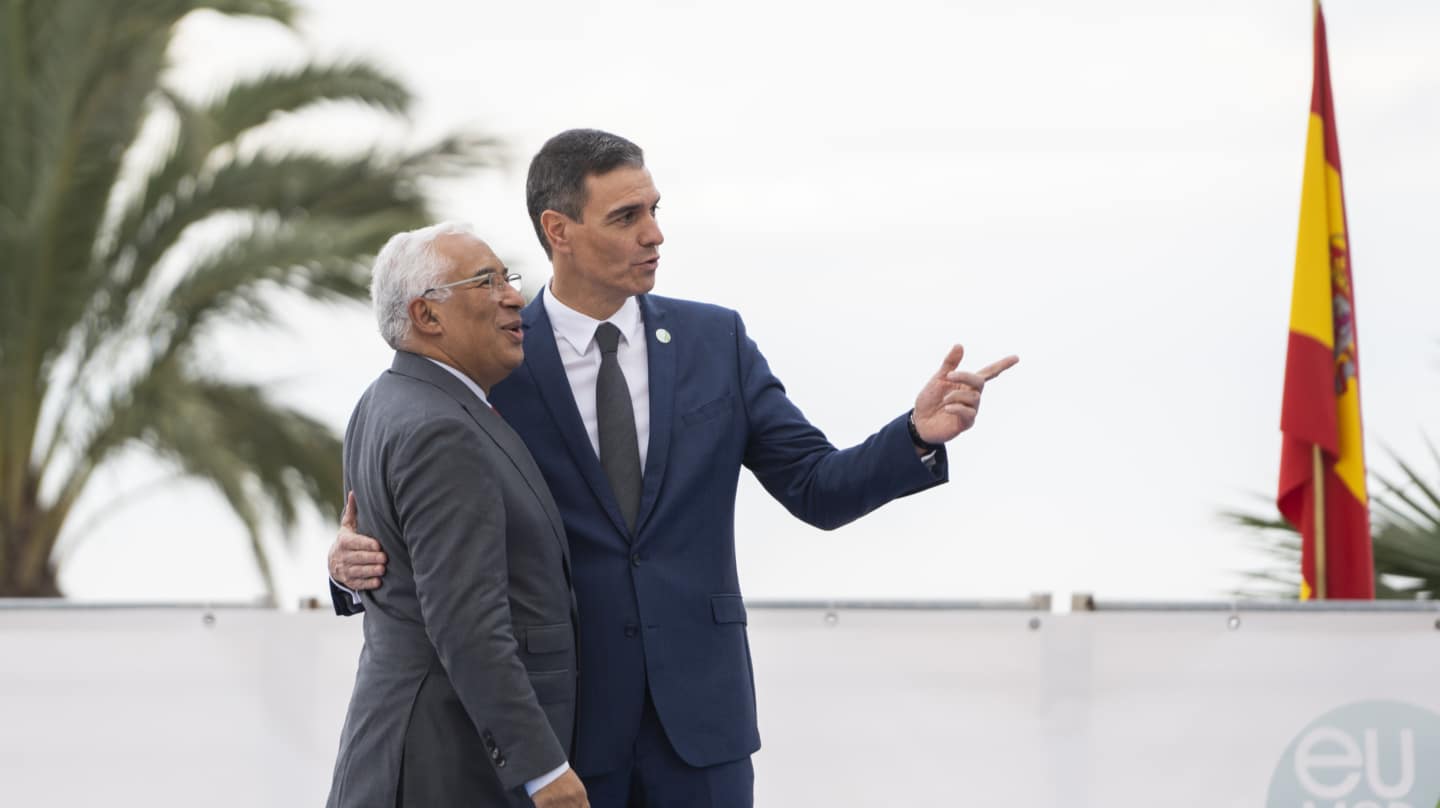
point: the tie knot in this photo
(608, 336)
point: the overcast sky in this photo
(1109, 189)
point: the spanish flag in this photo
(1322, 460)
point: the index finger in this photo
(994, 369)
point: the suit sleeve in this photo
(797, 464)
(452, 519)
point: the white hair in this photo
(407, 265)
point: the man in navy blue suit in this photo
(640, 411)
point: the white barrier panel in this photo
(858, 707)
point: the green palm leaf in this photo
(91, 211)
(259, 100)
(1405, 534)
(255, 452)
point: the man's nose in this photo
(650, 235)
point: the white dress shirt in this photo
(466, 380)
(579, 353)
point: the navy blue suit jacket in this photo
(661, 605)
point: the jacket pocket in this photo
(549, 639)
(553, 687)
(705, 412)
(728, 608)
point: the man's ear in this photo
(554, 225)
(423, 319)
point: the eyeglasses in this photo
(485, 280)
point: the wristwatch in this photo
(920, 443)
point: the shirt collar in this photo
(579, 329)
(469, 382)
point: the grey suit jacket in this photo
(466, 683)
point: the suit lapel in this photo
(662, 403)
(542, 357)
(504, 437)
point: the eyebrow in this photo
(619, 212)
(638, 206)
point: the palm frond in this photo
(454, 155)
(1405, 536)
(255, 101)
(76, 108)
(279, 10)
(321, 258)
(285, 186)
(120, 253)
(200, 132)
(1422, 502)
(262, 457)
(234, 432)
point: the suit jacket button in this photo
(635, 559)
(500, 762)
(631, 629)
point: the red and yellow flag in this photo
(1322, 460)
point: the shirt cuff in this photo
(354, 596)
(546, 779)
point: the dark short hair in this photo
(557, 174)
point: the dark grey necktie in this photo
(615, 414)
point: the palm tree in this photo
(118, 258)
(1405, 532)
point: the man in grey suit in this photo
(465, 693)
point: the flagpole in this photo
(1319, 481)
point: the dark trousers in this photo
(658, 778)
